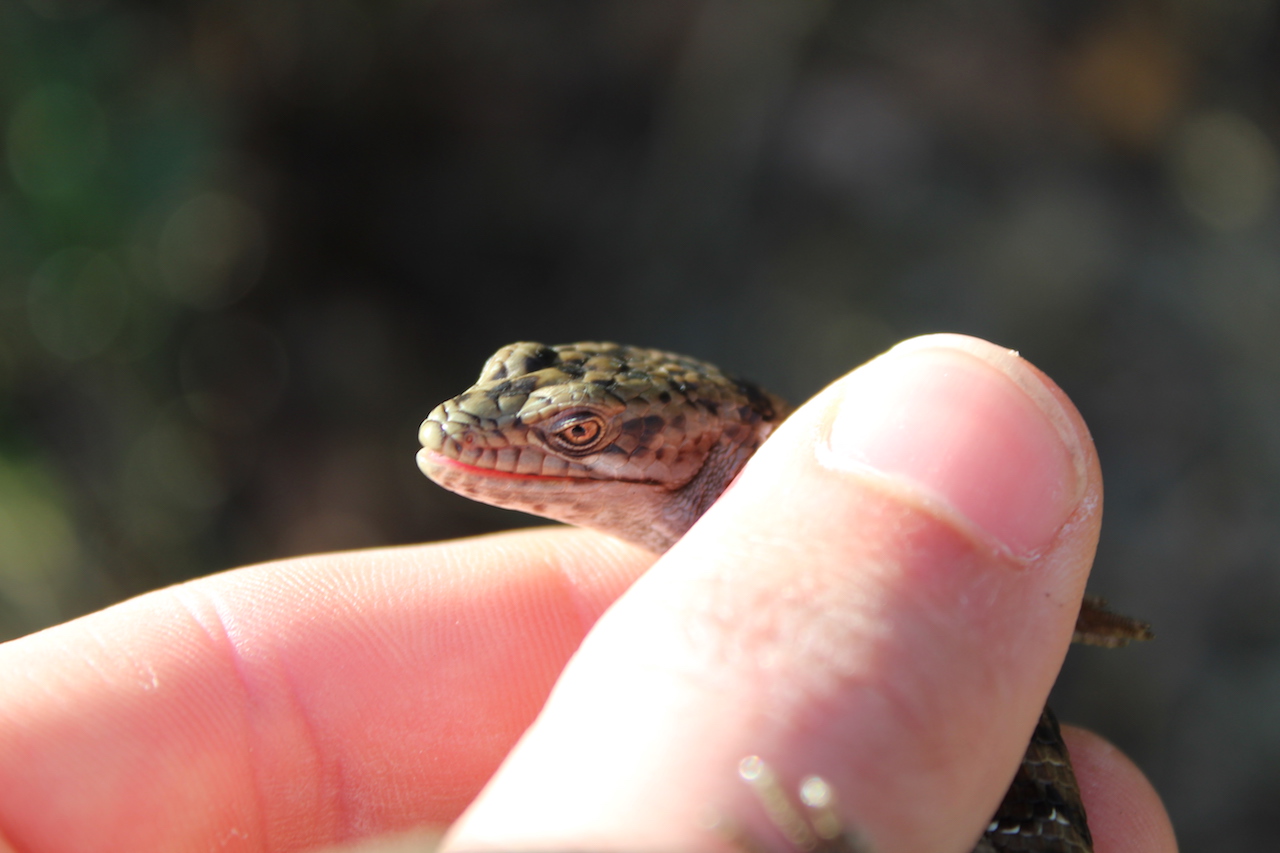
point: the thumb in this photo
(882, 599)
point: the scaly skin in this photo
(667, 434)
(638, 443)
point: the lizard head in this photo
(634, 442)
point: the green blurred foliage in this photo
(106, 133)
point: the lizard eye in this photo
(577, 433)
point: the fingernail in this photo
(974, 427)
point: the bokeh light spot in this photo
(178, 464)
(55, 140)
(815, 792)
(38, 545)
(76, 303)
(211, 250)
(1225, 169)
(1127, 80)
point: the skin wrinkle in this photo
(905, 490)
(342, 789)
(293, 733)
(223, 639)
(587, 607)
(104, 648)
(329, 782)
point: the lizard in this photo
(638, 443)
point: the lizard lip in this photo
(430, 461)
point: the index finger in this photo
(295, 703)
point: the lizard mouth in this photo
(431, 463)
(439, 467)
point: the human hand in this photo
(864, 626)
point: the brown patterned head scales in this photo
(555, 430)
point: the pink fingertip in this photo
(981, 433)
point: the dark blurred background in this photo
(245, 246)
